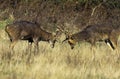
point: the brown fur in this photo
(24, 30)
(93, 33)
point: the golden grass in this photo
(60, 62)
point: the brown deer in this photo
(25, 30)
(94, 33)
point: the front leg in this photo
(35, 40)
(52, 43)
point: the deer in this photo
(32, 32)
(94, 33)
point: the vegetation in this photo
(60, 62)
(54, 13)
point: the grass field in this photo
(58, 63)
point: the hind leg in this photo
(12, 45)
(114, 37)
(109, 43)
(29, 52)
(114, 40)
(93, 48)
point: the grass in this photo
(3, 23)
(59, 63)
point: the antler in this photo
(62, 29)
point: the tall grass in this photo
(60, 62)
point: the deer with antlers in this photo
(94, 33)
(25, 30)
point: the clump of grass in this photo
(60, 62)
(2, 24)
(5, 22)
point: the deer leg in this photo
(36, 45)
(93, 52)
(30, 41)
(52, 43)
(30, 53)
(113, 40)
(29, 47)
(12, 45)
(109, 43)
(93, 48)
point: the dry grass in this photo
(59, 63)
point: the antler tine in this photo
(60, 28)
(66, 31)
(63, 29)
